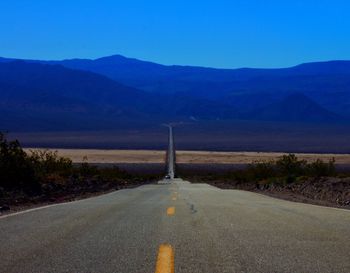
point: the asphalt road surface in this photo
(197, 227)
(171, 154)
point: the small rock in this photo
(4, 208)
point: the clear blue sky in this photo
(218, 33)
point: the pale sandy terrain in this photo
(200, 157)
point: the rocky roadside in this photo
(324, 191)
(15, 201)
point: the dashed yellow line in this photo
(165, 259)
(170, 211)
(174, 195)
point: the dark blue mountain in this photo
(294, 108)
(52, 97)
(246, 89)
(44, 97)
(86, 94)
(303, 108)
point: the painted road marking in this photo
(165, 259)
(174, 197)
(170, 211)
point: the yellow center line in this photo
(165, 259)
(170, 211)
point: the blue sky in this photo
(232, 33)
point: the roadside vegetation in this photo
(36, 177)
(286, 170)
(288, 177)
(44, 176)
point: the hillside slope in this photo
(42, 96)
(295, 108)
(245, 89)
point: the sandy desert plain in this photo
(183, 157)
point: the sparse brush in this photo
(45, 173)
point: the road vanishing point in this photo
(176, 226)
(170, 155)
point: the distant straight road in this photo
(205, 228)
(171, 154)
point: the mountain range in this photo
(116, 91)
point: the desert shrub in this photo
(48, 162)
(290, 167)
(287, 169)
(240, 176)
(259, 170)
(44, 174)
(16, 169)
(320, 168)
(87, 170)
(20, 171)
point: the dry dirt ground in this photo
(195, 157)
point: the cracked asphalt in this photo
(209, 230)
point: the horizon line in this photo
(169, 65)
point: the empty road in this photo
(197, 227)
(171, 160)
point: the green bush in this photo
(259, 170)
(285, 170)
(290, 166)
(48, 163)
(20, 171)
(16, 168)
(44, 174)
(87, 170)
(319, 168)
